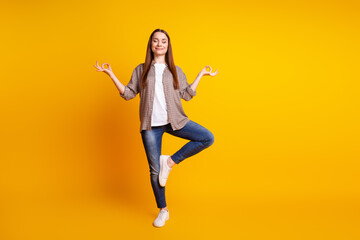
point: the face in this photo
(159, 43)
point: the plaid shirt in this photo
(176, 115)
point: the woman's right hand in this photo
(103, 69)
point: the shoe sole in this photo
(167, 218)
(161, 167)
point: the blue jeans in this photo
(200, 138)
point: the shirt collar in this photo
(153, 62)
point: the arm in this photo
(195, 83)
(119, 85)
(127, 92)
(132, 88)
(200, 75)
(188, 91)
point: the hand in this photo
(103, 69)
(205, 72)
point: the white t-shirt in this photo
(159, 115)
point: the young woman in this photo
(161, 85)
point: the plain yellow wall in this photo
(284, 107)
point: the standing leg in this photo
(152, 143)
(200, 138)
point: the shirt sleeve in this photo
(186, 92)
(132, 88)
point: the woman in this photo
(161, 85)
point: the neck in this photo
(159, 59)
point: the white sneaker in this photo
(164, 170)
(161, 218)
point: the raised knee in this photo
(209, 139)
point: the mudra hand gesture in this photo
(204, 72)
(103, 69)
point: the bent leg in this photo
(152, 144)
(200, 138)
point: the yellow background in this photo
(284, 110)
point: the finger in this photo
(103, 65)
(215, 73)
(96, 67)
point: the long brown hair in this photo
(169, 59)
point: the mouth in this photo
(159, 48)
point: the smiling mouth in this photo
(158, 48)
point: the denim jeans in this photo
(200, 138)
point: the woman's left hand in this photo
(205, 72)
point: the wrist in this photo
(110, 74)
